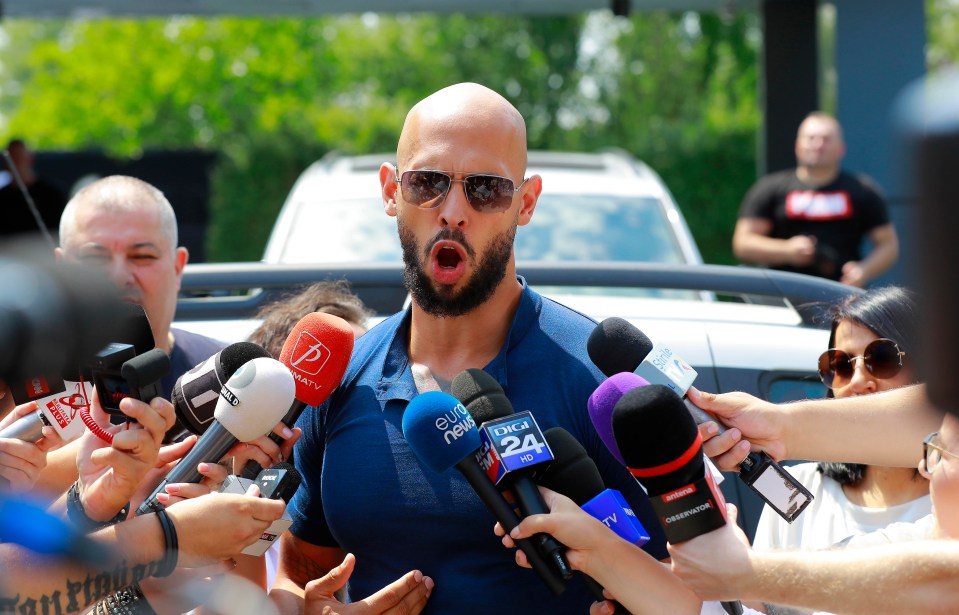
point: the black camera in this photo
(117, 372)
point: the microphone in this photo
(61, 397)
(443, 435)
(664, 451)
(615, 346)
(251, 403)
(512, 450)
(196, 392)
(574, 474)
(317, 352)
(601, 403)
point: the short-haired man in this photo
(813, 219)
(127, 227)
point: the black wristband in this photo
(171, 551)
(79, 516)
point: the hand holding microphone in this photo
(22, 461)
(251, 403)
(616, 346)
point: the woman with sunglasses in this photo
(871, 349)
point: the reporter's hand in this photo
(263, 450)
(728, 446)
(759, 422)
(219, 526)
(109, 474)
(214, 474)
(21, 462)
(405, 596)
(717, 564)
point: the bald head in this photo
(465, 114)
(116, 194)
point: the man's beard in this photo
(443, 302)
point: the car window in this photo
(596, 227)
(564, 228)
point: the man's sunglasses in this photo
(484, 193)
(882, 359)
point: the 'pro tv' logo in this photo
(309, 354)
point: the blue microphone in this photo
(443, 436)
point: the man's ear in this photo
(180, 258)
(530, 196)
(388, 188)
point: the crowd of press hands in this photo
(210, 529)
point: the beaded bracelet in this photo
(171, 546)
(125, 601)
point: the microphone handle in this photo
(215, 443)
(506, 516)
(253, 468)
(27, 429)
(530, 502)
(701, 416)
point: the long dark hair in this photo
(890, 312)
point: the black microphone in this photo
(616, 346)
(60, 397)
(443, 435)
(514, 450)
(574, 474)
(196, 392)
(663, 449)
(251, 403)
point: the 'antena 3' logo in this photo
(309, 354)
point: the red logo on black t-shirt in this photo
(813, 205)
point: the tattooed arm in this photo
(310, 576)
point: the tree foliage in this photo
(678, 90)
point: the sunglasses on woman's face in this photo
(484, 193)
(882, 358)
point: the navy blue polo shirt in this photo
(365, 490)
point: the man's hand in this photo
(801, 250)
(853, 274)
(717, 564)
(110, 473)
(405, 596)
(21, 462)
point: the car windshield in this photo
(565, 227)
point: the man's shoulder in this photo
(191, 343)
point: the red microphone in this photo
(317, 352)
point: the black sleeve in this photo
(760, 201)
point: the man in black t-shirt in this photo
(812, 219)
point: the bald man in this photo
(813, 219)
(421, 541)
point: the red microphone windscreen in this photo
(317, 352)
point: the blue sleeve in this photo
(306, 507)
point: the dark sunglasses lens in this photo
(833, 363)
(422, 187)
(882, 358)
(489, 193)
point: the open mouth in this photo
(448, 257)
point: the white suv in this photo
(594, 207)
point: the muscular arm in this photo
(884, 253)
(752, 244)
(300, 563)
